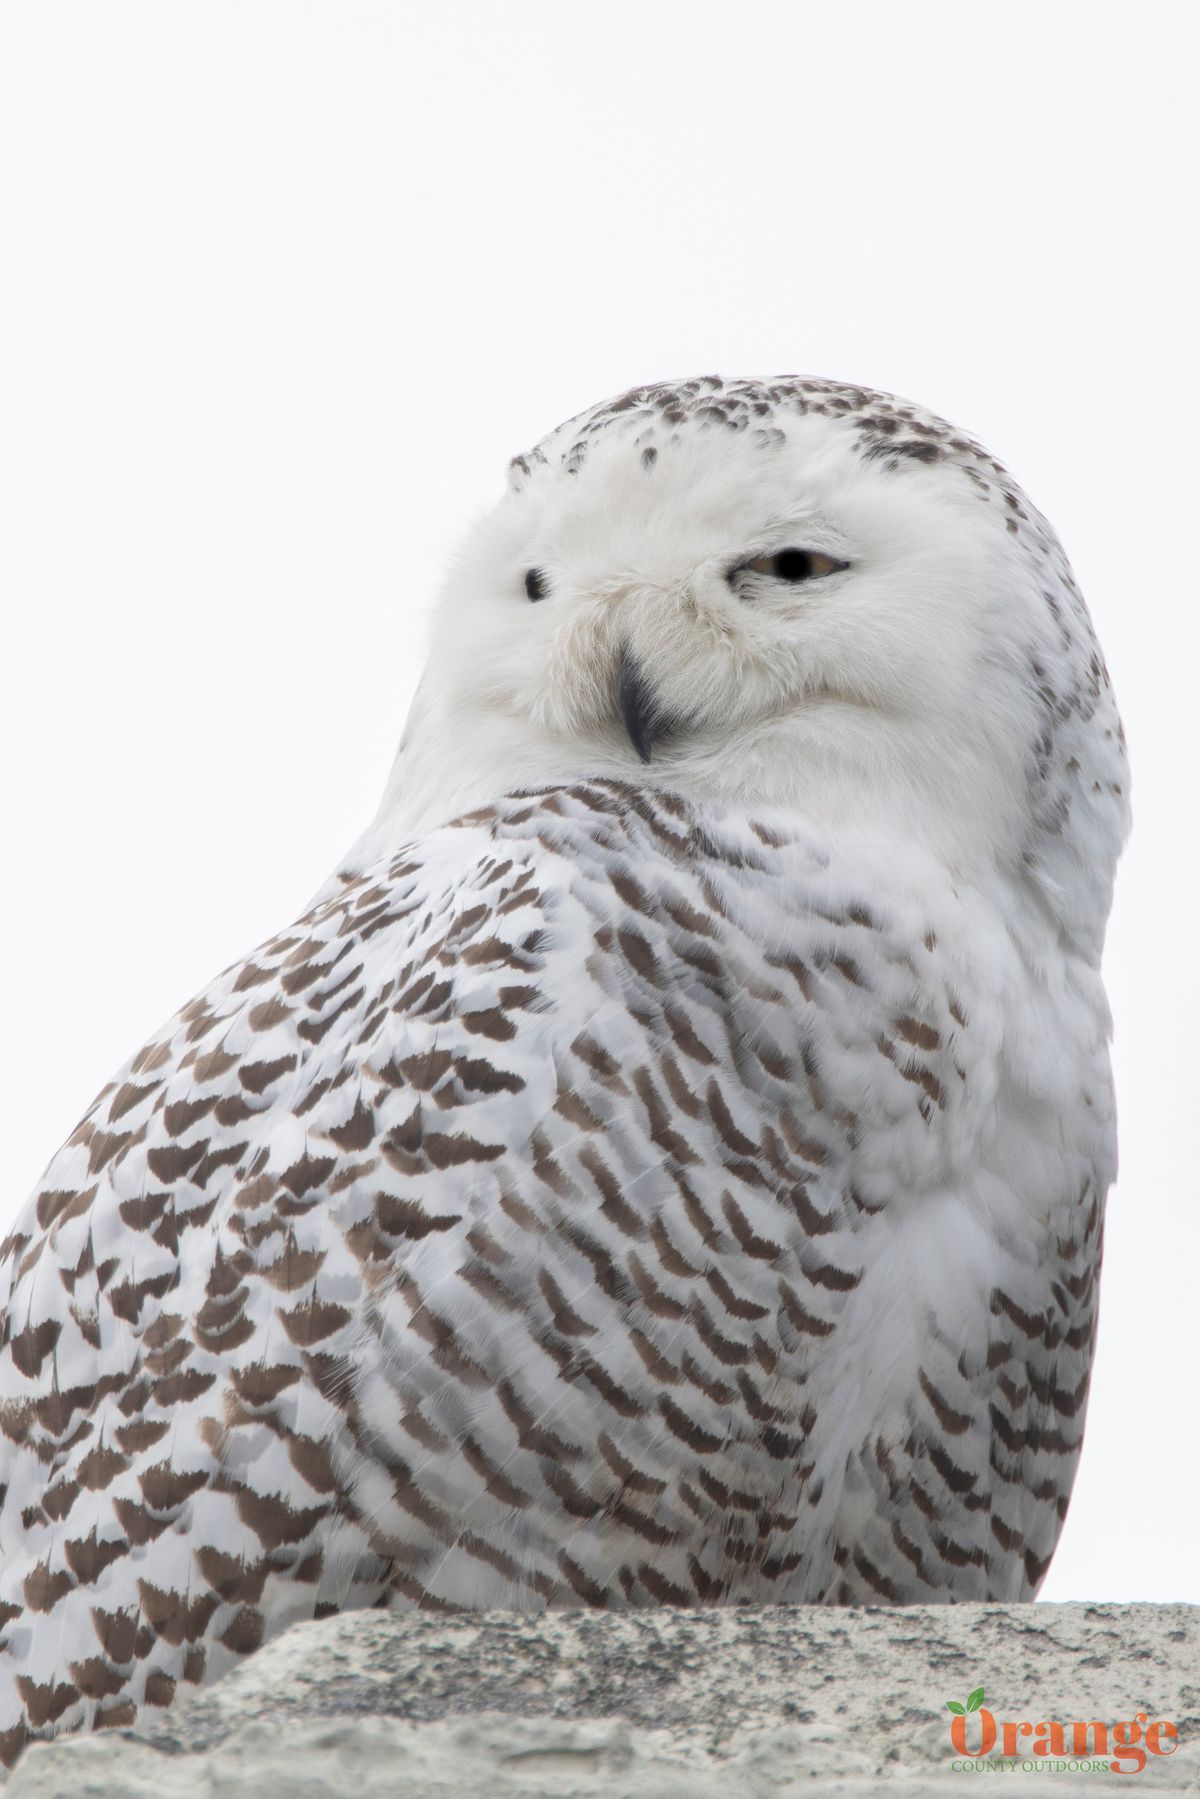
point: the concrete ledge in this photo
(773, 1702)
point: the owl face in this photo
(787, 593)
(668, 606)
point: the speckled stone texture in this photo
(780, 1701)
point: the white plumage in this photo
(667, 1163)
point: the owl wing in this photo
(545, 1218)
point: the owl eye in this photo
(535, 584)
(795, 565)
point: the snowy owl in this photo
(666, 1163)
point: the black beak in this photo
(636, 703)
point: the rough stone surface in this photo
(723, 1703)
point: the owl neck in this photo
(836, 768)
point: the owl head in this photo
(785, 593)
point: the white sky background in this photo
(284, 285)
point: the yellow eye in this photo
(796, 565)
